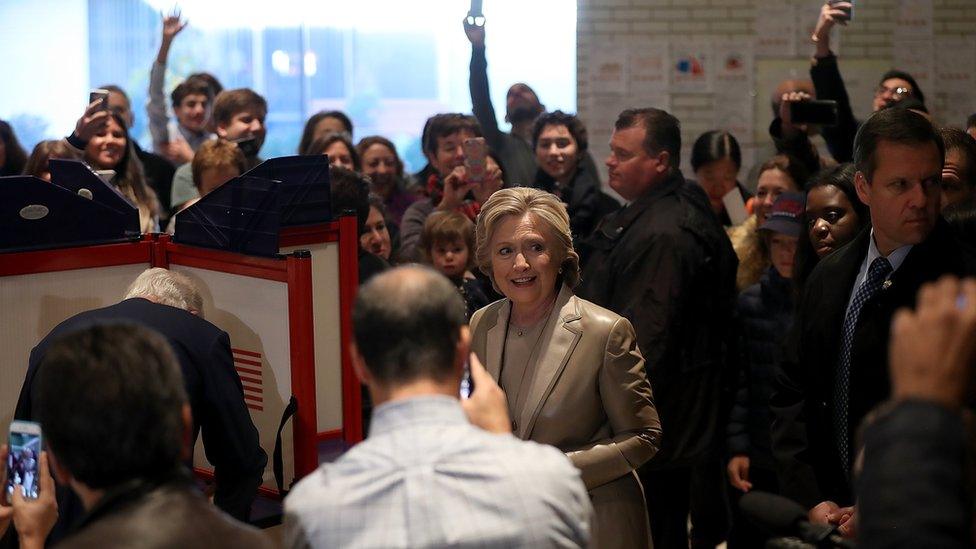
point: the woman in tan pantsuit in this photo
(571, 369)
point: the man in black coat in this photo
(169, 303)
(914, 488)
(835, 364)
(665, 264)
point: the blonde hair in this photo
(546, 208)
(167, 288)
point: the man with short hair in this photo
(191, 101)
(117, 421)
(448, 184)
(665, 264)
(238, 115)
(434, 472)
(834, 368)
(959, 171)
(170, 303)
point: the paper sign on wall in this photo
(775, 27)
(608, 70)
(913, 18)
(955, 61)
(691, 66)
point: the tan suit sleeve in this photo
(629, 405)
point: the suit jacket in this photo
(803, 440)
(216, 395)
(591, 399)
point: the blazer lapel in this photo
(552, 357)
(495, 341)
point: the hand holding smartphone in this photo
(475, 159)
(101, 97)
(23, 459)
(822, 112)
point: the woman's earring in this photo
(560, 270)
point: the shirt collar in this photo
(895, 258)
(409, 412)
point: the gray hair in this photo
(167, 288)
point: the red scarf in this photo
(435, 189)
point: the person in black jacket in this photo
(894, 85)
(665, 264)
(915, 486)
(763, 317)
(170, 304)
(560, 143)
(835, 364)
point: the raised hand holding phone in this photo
(34, 518)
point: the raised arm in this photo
(830, 85)
(478, 84)
(156, 107)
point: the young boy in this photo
(448, 245)
(216, 162)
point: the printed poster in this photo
(608, 69)
(691, 70)
(775, 27)
(913, 19)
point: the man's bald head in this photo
(407, 323)
(788, 86)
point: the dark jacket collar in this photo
(617, 224)
(119, 497)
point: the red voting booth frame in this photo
(157, 250)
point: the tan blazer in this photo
(591, 399)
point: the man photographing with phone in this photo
(894, 85)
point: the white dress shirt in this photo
(426, 477)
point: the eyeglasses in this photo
(899, 91)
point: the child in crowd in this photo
(215, 163)
(448, 245)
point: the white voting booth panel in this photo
(254, 312)
(335, 278)
(38, 290)
(265, 305)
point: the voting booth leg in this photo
(302, 360)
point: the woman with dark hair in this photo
(383, 166)
(13, 157)
(779, 174)
(833, 217)
(45, 150)
(111, 149)
(716, 159)
(339, 149)
(560, 143)
(321, 124)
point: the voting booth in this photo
(282, 292)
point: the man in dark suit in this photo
(665, 264)
(170, 304)
(835, 365)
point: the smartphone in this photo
(248, 145)
(101, 96)
(467, 384)
(822, 112)
(475, 158)
(23, 458)
(850, 12)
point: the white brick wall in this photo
(865, 50)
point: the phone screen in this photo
(467, 384)
(475, 158)
(248, 146)
(822, 112)
(101, 96)
(23, 461)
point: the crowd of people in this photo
(637, 366)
